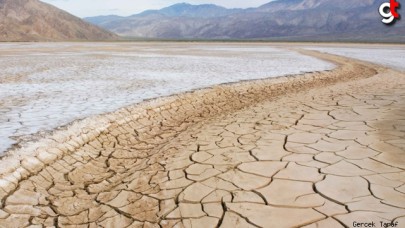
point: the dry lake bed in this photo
(242, 135)
(44, 86)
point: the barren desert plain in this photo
(155, 134)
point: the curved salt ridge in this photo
(157, 121)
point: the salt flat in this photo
(388, 55)
(46, 85)
(322, 149)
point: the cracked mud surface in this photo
(45, 85)
(317, 150)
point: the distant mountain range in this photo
(285, 20)
(312, 20)
(32, 20)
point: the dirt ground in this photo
(324, 149)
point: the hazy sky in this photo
(85, 8)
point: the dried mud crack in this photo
(321, 149)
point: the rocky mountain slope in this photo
(32, 20)
(356, 20)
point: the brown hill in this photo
(32, 20)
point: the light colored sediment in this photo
(387, 55)
(321, 149)
(47, 85)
